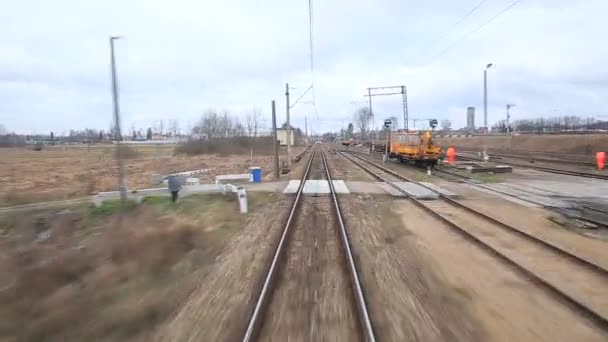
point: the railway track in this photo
(580, 284)
(557, 158)
(545, 169)
(312, 286)
(455, 177)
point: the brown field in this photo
(583, 144)
(63, 172)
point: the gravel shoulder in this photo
(342, 169)
(586, 286)
(535, 222)
(532, 220)
(509, 307)
(218, 309)
(408, 299)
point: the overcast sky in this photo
(180, 57)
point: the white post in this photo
(241, 193)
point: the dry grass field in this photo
(93, 274)
(63, 172)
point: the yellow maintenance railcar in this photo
(415, 147)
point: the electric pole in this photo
(369, 95)
(118, 134)
(485, 96)
(288, 127)
(405, 112)
(306, 128)
(275, 143)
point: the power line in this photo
(301, 96)
(311, 50)
(477, 29)
(461, 20)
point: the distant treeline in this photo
(552, 124)
(74, 136)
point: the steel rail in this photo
(364, 318)
(599, 320)
(505, 226)
(546, 169)
(256, 317)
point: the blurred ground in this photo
(91, 274)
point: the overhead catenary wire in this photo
(301, 96)
(459, 21)
(475, 30)
(312, 59)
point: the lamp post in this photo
(485, 96)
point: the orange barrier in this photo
(451, 154)
(600, 159)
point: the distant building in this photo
(282, 137)
(471, 119)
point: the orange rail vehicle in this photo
(415, 147)
(347, 142)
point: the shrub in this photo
(235, 145)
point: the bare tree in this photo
(256, 117)
(225, 125)
(213, 125)
(362, 118)
(446, 124)
(239, 129)
(249, 122)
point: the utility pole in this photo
(275, 144)
(121, 171)
(288, 126)
(306, 128)
(369, 95)
(405, 112)
(485, 96)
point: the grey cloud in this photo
(178, 58)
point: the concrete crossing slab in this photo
(391, 190)
(365, 187)
(436, 188)
(316, 187)
(292, 187)
(340, 187)
(417, 191)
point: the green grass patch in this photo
(483, 177)
(111, 207)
